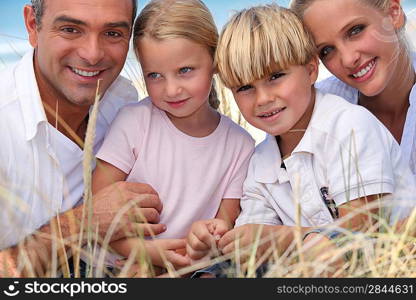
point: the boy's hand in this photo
(165, 250)
(246, 236)
(203, 237)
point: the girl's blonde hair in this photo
(258, 37)
(189, 19)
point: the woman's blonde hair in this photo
(189, 19)
(300, 6)
(258, 37)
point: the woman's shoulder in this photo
(333, 85)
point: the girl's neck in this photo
(391, 105)
(199, 124)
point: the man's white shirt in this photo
(40, 168)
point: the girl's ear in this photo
(396, 14)
(313, 69)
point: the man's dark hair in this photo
(39, 8)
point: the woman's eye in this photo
(325, 51)
(243, 88)
(153, 75)
(277, 75)
(185, 70)
(355, 30)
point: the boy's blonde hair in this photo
(189, 19)
(257, 37)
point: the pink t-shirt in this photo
(191, 175)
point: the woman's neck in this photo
(391, 105)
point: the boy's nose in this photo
(263, 97)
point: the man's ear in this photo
(31, 26)
(313, 68)
(396, 14)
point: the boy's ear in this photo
(313, 69)
(396, 14)
(30, 23)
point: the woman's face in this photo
(356, 42)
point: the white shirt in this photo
(344, 149)
(41, 169)
(335, 86)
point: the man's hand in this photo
(203, 237)
(131, 207)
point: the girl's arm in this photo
(105, 174)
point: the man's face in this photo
(77, 43)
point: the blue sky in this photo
(13, 34)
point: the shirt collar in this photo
(29, 97)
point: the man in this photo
(45, 102)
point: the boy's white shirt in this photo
(344, 148)
(333, 85)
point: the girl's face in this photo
(356, 42)
(178, 75)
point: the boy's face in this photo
(278, 103)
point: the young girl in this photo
(175, 140)
(362, 42)
(333, 158)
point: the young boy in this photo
(334, 159)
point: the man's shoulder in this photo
(122, 89)
(8, 89)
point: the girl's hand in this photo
(162, 251)
(203, 237)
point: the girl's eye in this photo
(153, 75)
(243, 88)
(355, 30)
(276, 75)
(185, 70)
(325, 51)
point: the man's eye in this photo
(113, 34)
(277, 75)
(185, 70)
(243, 88)
(69, 30)
(154, 75)
(325, 51)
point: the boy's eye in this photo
(185, 70)
(355, 30)
(276, 75)
(153, 75)
(324, 52)
(243, 88)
